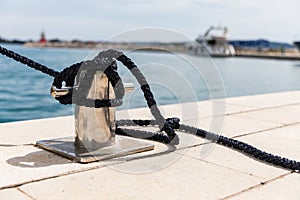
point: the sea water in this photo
(174, 78)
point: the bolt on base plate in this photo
(123, 146)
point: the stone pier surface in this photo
(194, 169)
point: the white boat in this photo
(213, 45)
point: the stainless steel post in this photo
(95, 127)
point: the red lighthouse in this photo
(43, 39)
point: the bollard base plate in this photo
(65, 147)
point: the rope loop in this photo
(102, 62)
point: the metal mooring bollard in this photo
(95, 137)
(95, 127)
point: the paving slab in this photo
(28, 132)
(283, 115)
(287, 187)
(226, 157)
(283, 141)
(233, 125)
(23, 164)
(14, 194)
(264, 101)
(217, 107)
(186, 111)
(186, 178)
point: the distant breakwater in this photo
(171, 47)
(180, 47)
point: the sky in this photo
(105, 19)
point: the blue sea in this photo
(174, 78)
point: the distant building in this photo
(297, 44)
(43, 38)
(262, 45)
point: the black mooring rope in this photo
(105, 61)
(28, 62)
